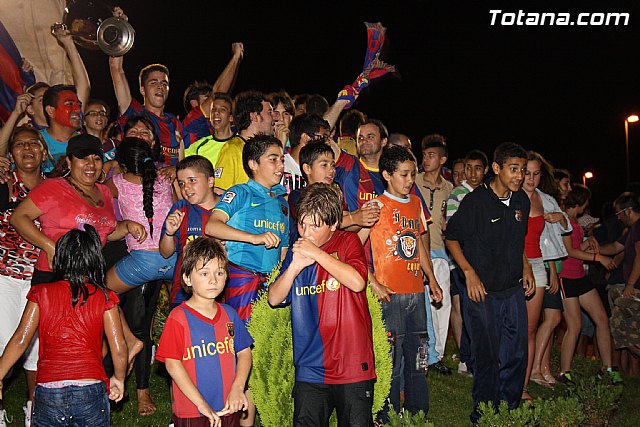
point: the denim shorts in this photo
(140, 267)
(71, 406)
(539, 272)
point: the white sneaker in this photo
(463, 370)
(27, 413)
(4, 418)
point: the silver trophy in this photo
(93, 26)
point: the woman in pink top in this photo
(577, 290)
(144, 197)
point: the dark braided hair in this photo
(134, 154)
(79, 261)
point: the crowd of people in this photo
(97, 215)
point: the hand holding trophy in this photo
(94, 25)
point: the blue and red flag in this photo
(13, 79)
(373, 66)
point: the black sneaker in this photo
(565, 377)
(440, 368)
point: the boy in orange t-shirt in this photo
(399, 255)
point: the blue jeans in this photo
(71, 406)
(406, 322)
(434, 356)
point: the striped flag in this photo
(13, 79)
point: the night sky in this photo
(563, 91)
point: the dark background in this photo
(563, 91)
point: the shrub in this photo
(561, 412)
(525, 415)
(598, 398)
(405, 418)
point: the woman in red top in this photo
(77, 199)
(533, 252)
(72, 313)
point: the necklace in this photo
(97, 203)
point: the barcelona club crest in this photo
(230, 329)
(518, 215)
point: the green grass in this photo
(450, 399)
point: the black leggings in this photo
(138, 306)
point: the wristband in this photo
(596, 257)
(170, 235)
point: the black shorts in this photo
(314, 403)
(573, 288)
(457, 281)
(552, 301)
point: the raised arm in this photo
(120, 84)
(227, 78)
(333, 113)
(78, 70)
(5, 133)
(118, 77)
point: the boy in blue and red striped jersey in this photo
(323, 277)
(187, 218)
(204, 345)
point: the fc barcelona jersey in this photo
(207, 349)
(331, 324)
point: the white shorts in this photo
(13, 300)
(539, 272)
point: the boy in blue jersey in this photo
(205, 346)
(187, 218)
(323, 277)
(253, 219)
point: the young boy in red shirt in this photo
(205, 346)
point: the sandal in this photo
(540, 380)
(549, 379)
